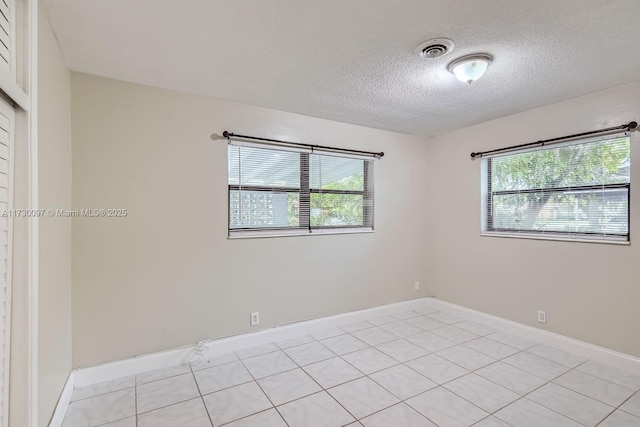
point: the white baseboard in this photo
(581, 348)
(63, 401)
(165, 359)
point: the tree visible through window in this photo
(577, 189)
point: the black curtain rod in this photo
(626, 127)
(228, 135)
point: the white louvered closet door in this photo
(7, 120)
(7, 36)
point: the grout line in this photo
(135, 384)
(200, 393)
(617, 408)
(261, 389)
(566, 369)
(100, 394)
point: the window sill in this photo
(557, 237)
(259, 234)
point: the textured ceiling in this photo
(353, 60)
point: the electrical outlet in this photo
(542, 316)
(255, 318)
(416, 285)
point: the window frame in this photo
(488, 194)
(305, 191)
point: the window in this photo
(281, 191)
(574, 191)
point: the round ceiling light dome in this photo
(435, 48)
(471, 67)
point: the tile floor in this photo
(415, 368)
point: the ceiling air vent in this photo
(434, 48)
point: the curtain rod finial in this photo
(225, 134)
(632, 125)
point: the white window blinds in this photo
(578, 190)
(275, 190)
(7, 118)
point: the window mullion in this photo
(304, 208)
(489, 195)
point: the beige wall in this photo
(54, 169)
(166, 275)
(590, 291)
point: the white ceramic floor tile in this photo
(465, 357)
(491, 422)
(446, 409)
(491, 348)
(362, 397)
(632, 405)
(397, 415)
(573, 405)
(103, 387)
(536, 365)
(617, 376)
(235, 402)
(221, 377)
(327, 333)
(332, 372)
(425, 323)
(186, 414)
(369, 360)
(595, 388)
(257, 350)
(476, 328)
(525, 413)
(343, 344)
(374, 336)
(268, 418)
(512, 378)
(288, 386)
(402, 381)
(512, 340)
(160, 374)
(427, 309)
(445, 317)
(305, 339)
(481, 392)
(455, 334)
(269, 364)
(213, 361)
(166, 392)
(127, 422)
(102, 409)
(556, 355)
(404, 315)
(356, 326)
(309, 353)
(382, 320)
(436, 368)
(401, 329)
(317, 410)
(402, 350)
(620, 419)
(430, 342)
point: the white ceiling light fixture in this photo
(471, 67)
